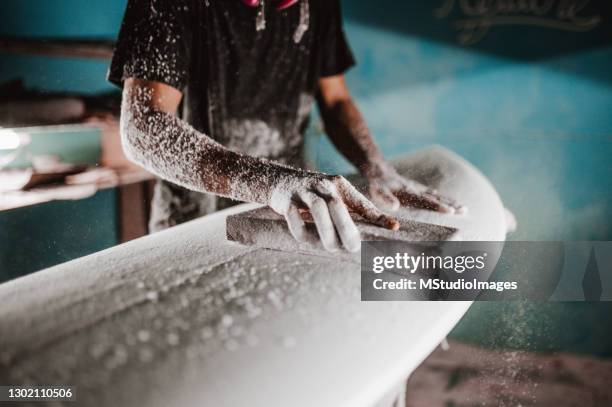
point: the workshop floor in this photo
(466, 375)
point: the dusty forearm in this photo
(175, 151)
(349, 132)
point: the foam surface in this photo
(184, 317)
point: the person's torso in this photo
(251, 90)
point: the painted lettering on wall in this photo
(478, 17)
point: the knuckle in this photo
(326, 188)
(335, 201)
(311, 199)
(338, 179)
(292, 212)
(280, 207)
(318, 202)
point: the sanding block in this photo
(265, 228)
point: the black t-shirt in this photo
(250, 90)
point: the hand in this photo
(328, 199)
(390, 190)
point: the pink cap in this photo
(282, 4)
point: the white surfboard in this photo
(184, 317)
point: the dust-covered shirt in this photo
(251, 90)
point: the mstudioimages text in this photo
(412, 263)
(439, 284)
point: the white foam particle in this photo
(144, 335)
(173, 339)
(227, 320)
(153, 296)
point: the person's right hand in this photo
(328, 199)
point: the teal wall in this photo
(541, 133)
(530, 106)
(37, 237)
(59, 18)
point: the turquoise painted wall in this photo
(542, 134)
(37, 237)
(65, 19)
(529, 105)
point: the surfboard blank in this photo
(265, 228)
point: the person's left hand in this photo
(389, 190)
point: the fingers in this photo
(428, 200)
(295, 223)
(349, 234)
(422, 201)
(321, 216)
(415, 194)
(328, 201)
(456, 207)
(385, 198)
(366, 209)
